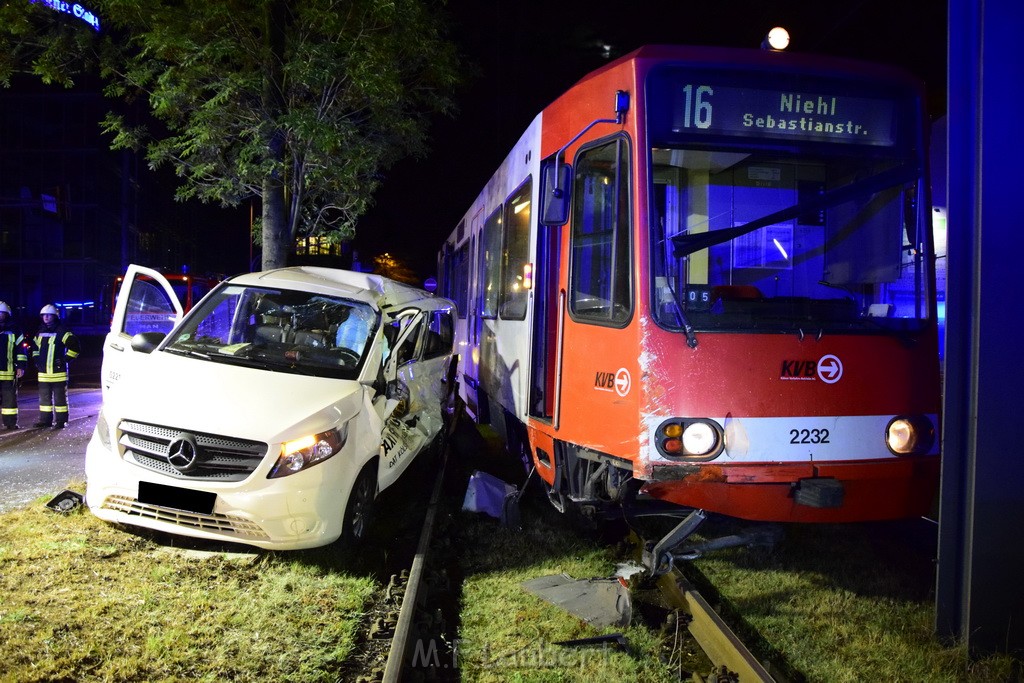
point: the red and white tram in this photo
(706, 276)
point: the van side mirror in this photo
(554, 194)
(145, 342)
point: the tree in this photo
(395, 269)
(302, 103)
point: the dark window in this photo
(457, 279)
(439, 336)
(149, 308)
(600, 268)
(515, 253)
(490, 252)
(396, 333)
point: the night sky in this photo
(521, 54)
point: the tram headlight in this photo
(694, 438)
(699, 438)
(909, 435)
(301, 454)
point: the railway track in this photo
(412, 602)
(410, 638)
(402, 627)
(731, 659)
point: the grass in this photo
(84, 600)
(508, 634)
(830, 604)
(844, 603)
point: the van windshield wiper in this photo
(252, 356)
(688, 243)
(183, 351)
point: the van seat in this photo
(265, 334)
(315, 338)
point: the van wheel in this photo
(360, 507)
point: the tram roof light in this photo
(776, 40)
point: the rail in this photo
(725, 650)
(731, 659)
(398, 658)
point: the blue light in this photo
(74, 9)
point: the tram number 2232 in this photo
(697, 106)
(813, 436)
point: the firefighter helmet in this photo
(4, 308)
(49, 309)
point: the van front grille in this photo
(218, 458)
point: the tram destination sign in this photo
(687, 104)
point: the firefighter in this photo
(13, 360)
(55, 346)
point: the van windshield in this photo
(279, 330)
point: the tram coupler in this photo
(767, 535)
(659, 558)
(672, 548)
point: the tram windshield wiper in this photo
(684, 322)
(685, 244)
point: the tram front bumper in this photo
(834, 492)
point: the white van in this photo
(274, 412)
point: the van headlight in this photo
(301, 454)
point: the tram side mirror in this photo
(554, 196)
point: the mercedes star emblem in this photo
(183, 453)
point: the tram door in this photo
(545, 324)
(473, 319)
(596, 402)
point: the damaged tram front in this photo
(706, 277)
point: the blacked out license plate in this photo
(200, 502)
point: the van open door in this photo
(146, 302)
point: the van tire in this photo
(359, 511)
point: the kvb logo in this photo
(605, 381)
(828, 368)
(619, 382)
(798, 369)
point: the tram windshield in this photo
(786, 233)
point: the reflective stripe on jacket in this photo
(12, 353)
(53, 349)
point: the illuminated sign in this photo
(688, 103)
(74, 9)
